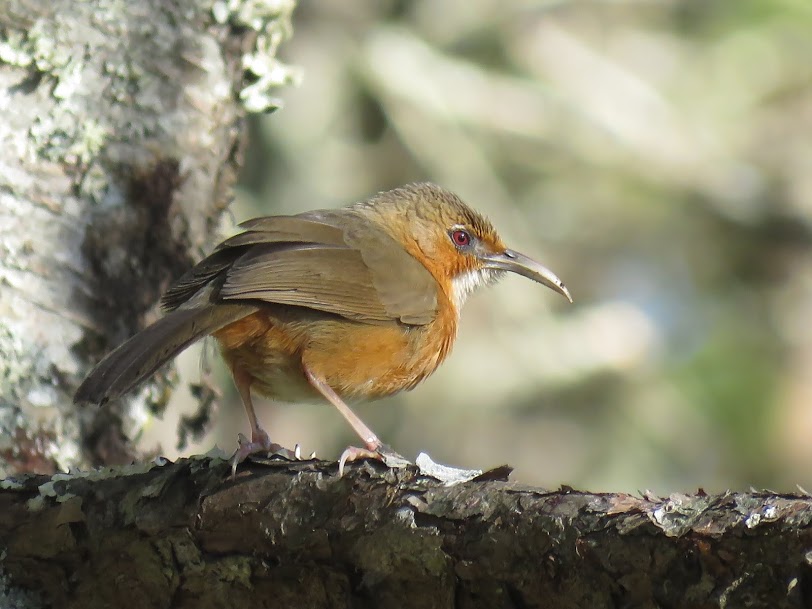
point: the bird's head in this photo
(458, 245)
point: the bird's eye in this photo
(461, 237)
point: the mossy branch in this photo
(295, 535)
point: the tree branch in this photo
(295, 535)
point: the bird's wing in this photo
(320, 261)
(284, 231)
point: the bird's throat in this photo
(464, 284)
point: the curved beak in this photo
(526, 267)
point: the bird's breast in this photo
(363, 361)
(358, 360)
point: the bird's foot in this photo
(379, 452)
(260, 442)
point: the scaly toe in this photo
(259, 444)
(285, 453)
(353, 453)
(383, 453)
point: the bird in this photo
(331, 305)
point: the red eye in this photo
(461, 238)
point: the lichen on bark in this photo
(123, 128)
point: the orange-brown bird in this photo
(335, 305)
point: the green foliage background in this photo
(655, 154)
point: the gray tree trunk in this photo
(122, 125)
(297, 536)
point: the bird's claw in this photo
(297, 452)
(382, 453)
(260, 443)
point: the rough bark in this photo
(295, 535)
(122, 127)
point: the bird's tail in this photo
(135, 360)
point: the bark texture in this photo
(295, 535)
(122, 127)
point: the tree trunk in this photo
(122, 129)
(295, 535)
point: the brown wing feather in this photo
(405, 287)
(305, 228)
(325, 260)
(326, 278)
(282, 230)
(198, 277)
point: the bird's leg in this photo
(260, 441)
(373, 447)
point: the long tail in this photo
(135, 360)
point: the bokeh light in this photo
(655, 154)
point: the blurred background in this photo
(657, 155)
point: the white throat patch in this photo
(464, 284)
